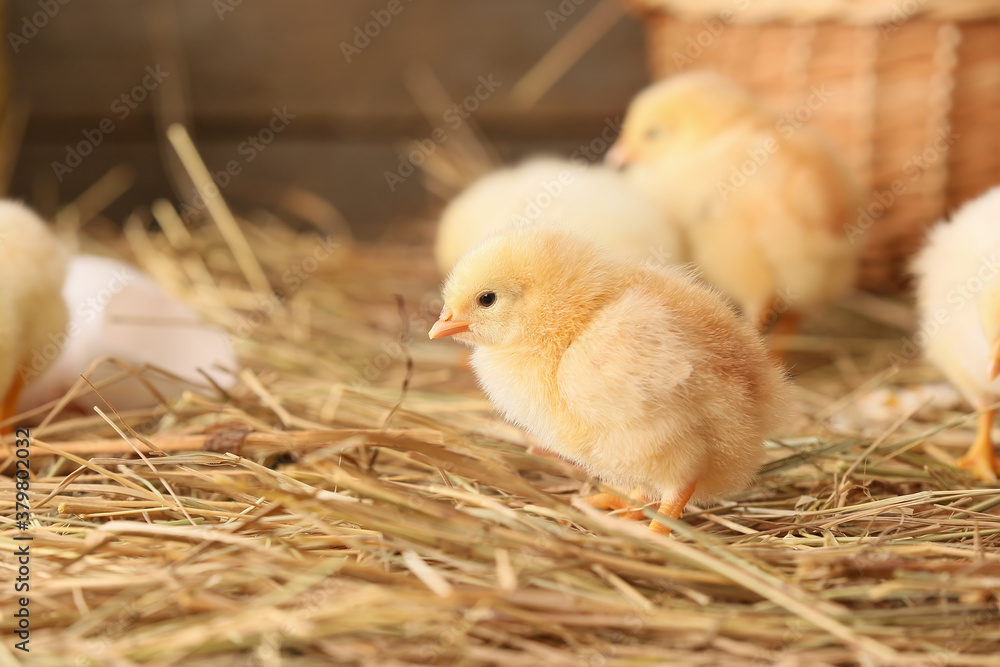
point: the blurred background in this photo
(384, 109)
(348, 100)
(328, 476)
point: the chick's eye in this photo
(487, 299)
(652, 133)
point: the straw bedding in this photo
(352, 499)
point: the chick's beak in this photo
(618, 156)
(446, 326)
(994, 368)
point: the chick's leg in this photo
(787, 323)
(775, 323)
(672, 506)
(611, 501)
(8, 408)
(981, 458)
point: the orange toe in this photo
(8, 408)
(659, 528)
(672, 506)
(610, 501)
(983, 466)
(981, 459)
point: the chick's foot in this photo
(672, 506)
(9, 406)
(624, 508)
(981, 459)
(777, 324)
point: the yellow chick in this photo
(635, 371)
(763, 204)
(594, 200)
(958, 298)
(32, 311)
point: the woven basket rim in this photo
(861, 12)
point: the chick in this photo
(32, 311)
(763, 204)
(958, 298)
(634, 371)
(592, 199)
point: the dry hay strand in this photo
(307, 515)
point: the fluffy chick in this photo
(32, 311)
(771, 236)
(634, 371)
(593, 200)
(958, 298)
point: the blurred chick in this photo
(634, 371)
(763, 204)
(958, 298)
(593, 200)
(32, 311)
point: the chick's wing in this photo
(626, 363)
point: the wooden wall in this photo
(231, 62)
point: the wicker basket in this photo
(909, 89)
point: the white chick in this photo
(593, 200)
(763, 205)
(958, 297)
(634, 371)
(32, 312)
